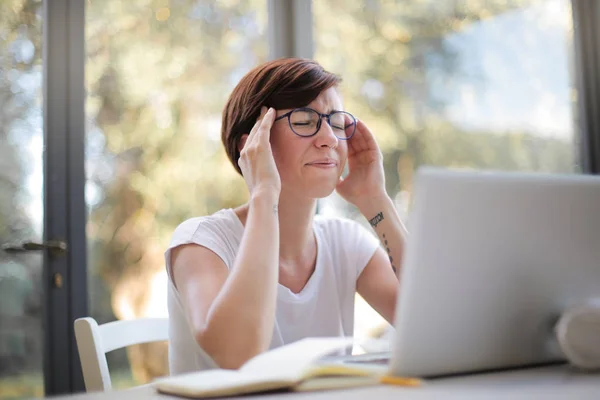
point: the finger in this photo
(360, 140)
(261, 116)
(352, 145)
(265, 126)
(368, 141)
(263, 111)
(361, 135)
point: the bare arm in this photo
(233, 312)
(384, 219)
(378, 283)
(365, 188)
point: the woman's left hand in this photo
(365, 180)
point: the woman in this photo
(270, 272)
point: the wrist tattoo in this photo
(376, 220)
(275, 209)
(389, 253)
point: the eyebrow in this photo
(326, 112)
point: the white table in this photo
(555, 382)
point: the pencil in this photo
(399, 381)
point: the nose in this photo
(325, 136)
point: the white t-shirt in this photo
(324, 307)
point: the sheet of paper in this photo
(290, 361)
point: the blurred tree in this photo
(386, 50)
(400, 62)
(21, 332)
(20, 125)
(158, 75)
(20, 63)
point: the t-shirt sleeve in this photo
(203, 232)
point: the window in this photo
(157, 78)
(21, 199)
(483, 84)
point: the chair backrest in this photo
(94, 341)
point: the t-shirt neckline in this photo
(283, 292)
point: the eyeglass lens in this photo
(306, 122)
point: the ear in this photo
(242, 142)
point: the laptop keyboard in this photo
(372, 361)
(379, 358)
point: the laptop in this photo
(492, 259)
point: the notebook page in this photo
(290, 361)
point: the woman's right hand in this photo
(256, 157)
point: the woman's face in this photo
(310, 166)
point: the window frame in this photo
(63, 56)
(586, 37)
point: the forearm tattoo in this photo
(376, 220)
(389, 253)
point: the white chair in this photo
(94, 341)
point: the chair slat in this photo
(118, 334)
(94, 341)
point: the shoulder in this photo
(221, 224)
(219, 233)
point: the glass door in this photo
(42, 217)
(21, 200)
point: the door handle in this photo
(56, 247)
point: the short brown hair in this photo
(281, 84)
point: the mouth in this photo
(323, 164)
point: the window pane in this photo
(21, 199)
(157, 79)
(483, 84)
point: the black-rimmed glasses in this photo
(306, 122)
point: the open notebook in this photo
(298, 366)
